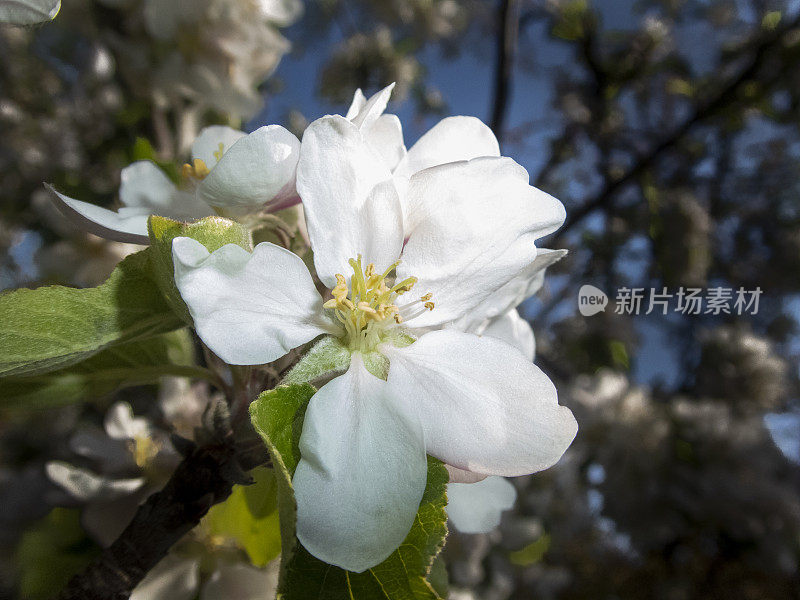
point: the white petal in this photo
(372, 108)
(477, 507)
(253, 171)
(240, 582)
(350, 203)
(84, 485)
(385, 137)
(522, 286)
(130, 227)
(463, 476)
(450, 140)
(362, 472)
(248, 308)
(471, 228)
(174, 578)
(483, 405)
(513, 330)
(122, 425)
(206, 144)
(28, 12)
(359, 100)
(143, 184)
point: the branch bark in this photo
(508, 34)
(204, 478)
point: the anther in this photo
(219, 152)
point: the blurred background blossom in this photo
(669, 129)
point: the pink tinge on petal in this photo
(285, 198)
(463, 475)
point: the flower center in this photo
(198, 169)
(370, 305)
(144, 450)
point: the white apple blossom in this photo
(131, 459)
(457, 233)
(212, 53)
(231, 173)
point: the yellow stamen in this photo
(197, 170)
(367, 305)
(219, 152)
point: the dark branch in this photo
(725, 95)
(204, 478)
(508, 33)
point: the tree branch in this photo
(508, 33)
(725, 95)
(204, 478)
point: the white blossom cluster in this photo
(425, 253)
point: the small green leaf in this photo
(328, 356)
(250, 517)
(52, 327)
(532, 553)
(134, 363)
(212, 232)
(52, 551)
(278, 417)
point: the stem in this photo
(508, 33)
(204, 478)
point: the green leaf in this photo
(278, 417)
(134, 363)
(212, 232)
(250, 517)
(52, 551)
(51, 327)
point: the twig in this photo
(508, 24)
(725, 95)
(204, 478)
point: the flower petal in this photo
(385, 137)
(248, 308)
(86, 486)
(371, 109)
(174, 578)
(143, 184)
(522, 286)
(255, 170)
(463, 476)
(350, 203)
(130, 226)
(362, 472)
(359, 100)
(484, 407)
(513, 330)
(206, 144)
(471, 228)
(477, 507)
(450, 140)
(122, 425)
